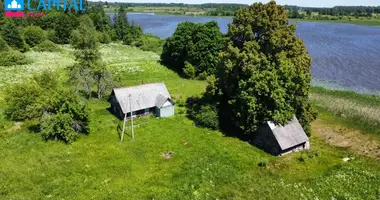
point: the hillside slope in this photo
(205, 164)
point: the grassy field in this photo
(364, 21)
(205, 164)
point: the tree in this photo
(89, 69)
(12, 35)
(133, 33)
(198, 44)
(62, 24)
(34, 35)
(121, 23)
(264, 72)
(100, 19)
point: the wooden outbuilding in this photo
(142, 100)
(281, 140)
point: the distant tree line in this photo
(336, 11)
(225, 9)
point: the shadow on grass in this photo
(173, 69)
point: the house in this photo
(281, 140)
(142, 100)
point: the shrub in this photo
(65, 119)
(47, 46)
(202, 76)
(58, 113)
(103, 38)
(3, 45)
(22, 103)
(13, 57)
(149, 42)
(59, 127)
(25, 100)
(50, 34)
(189, 70)
(207, 117)
(203, 113)
(11, 34)
(34, 35)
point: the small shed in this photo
(141, 100)
(281, 140)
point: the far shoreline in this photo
(354, 22)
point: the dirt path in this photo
(354, 140)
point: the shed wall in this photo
(265, 140)
(167, 111)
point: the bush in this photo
(11, 34)
(50, 34)
(66, 118)
(103, 38)
(58, 113)
(47, 46)
(34, 35)
(13, 57)
(189, 70)
(203, 76)
(3, 45)
(25, 100)
(207, 117)
(22, 103)
(149, 42)
(203, 113)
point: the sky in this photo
(306, 3)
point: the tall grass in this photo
(358, 109)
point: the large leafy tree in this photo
(264, 72)
(89, 69)
(197, 44)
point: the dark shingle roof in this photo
(290, 135)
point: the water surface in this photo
(345, 56)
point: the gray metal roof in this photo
(160, 100)
(141, 97)
(289, 135)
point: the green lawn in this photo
(205, 164)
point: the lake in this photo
(345, 56)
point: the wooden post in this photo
(122, 135)
(130, 108)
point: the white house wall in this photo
(166, 111)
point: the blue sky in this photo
(313, 3)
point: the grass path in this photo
(351, 139)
